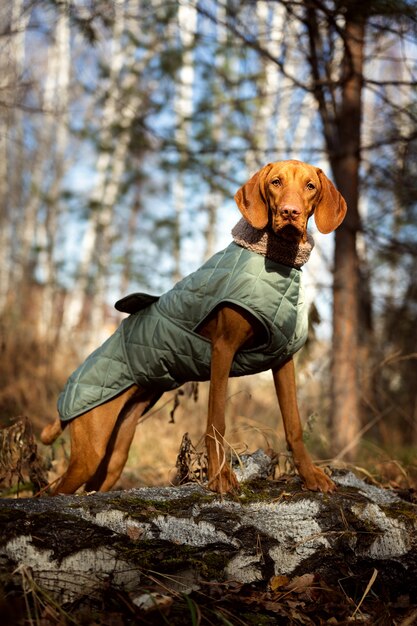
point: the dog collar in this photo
(272, 246)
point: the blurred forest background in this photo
(126, 126)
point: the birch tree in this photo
(56, 103)
(55, 79)
(122, 102)
(183, 109)
(13, 22)
(214, 197)
(100, 203)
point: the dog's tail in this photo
(52, 432)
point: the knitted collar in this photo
(272, 246)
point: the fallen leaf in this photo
(149, 602)
(278, 581)
(134, 532)
(302, 583)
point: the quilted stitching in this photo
(158, 348)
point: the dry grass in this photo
(32, 375)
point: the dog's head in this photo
(285, 194)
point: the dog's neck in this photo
(266, 242)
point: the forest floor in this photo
(305, 600)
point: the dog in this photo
(242, 312)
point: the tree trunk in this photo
(14, 19)
(345, 163)
(183, 109)
(340, 107)
(57, 104)
(186, 536)
(101, 205)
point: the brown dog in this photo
(276, 204)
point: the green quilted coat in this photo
(157, 347)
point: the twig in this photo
(368, 587)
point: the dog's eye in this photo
(276, 182)
(310, 186)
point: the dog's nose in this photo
(290, 212)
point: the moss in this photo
(401, 510)
(253, 491)
(221, 519)
(144, 508)
(213, 564)
(18, 489)
(207, 563)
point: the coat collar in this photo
(266, 243)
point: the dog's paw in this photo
(316, 480)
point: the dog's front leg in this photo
(313, 477)
(228, 330)
(220, 475)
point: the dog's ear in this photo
(331, 208)
(251, 199)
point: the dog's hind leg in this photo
(90, 434)
(118, 447)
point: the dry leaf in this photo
(276, 582)
(300, 584)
